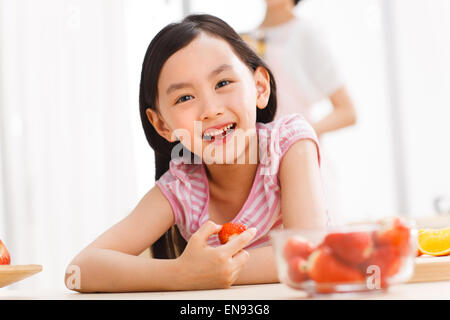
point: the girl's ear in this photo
(158, 123)
(262, 82)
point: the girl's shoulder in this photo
(276, 137)
(285, 130)
(287, 119)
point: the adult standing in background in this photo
(306, 73)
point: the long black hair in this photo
(169, 40)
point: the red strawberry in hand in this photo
(324, 267)
(5, 258)
(352, 247)
(229, 230)
(297, 247)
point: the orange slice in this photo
(435, 242)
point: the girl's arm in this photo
(302, 197)
(343, 114)
(111, 263)
(260, 268)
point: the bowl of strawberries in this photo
(346, 259)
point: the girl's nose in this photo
(206, 116)
(211, 109)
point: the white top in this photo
(302, 63)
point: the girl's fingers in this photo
(240, 241)
(206, 230)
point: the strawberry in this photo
(352, 247)
(394, 232)
(229, 230)
(324, 267)
(297, 271)
(297, 247)
(5, 258)
(387, 260)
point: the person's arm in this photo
(342, 115)
(260, 267)
(111, 263)
(302, 197)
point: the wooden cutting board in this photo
(429, 268)
(10, 274)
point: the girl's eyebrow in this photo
(220, 69)
(176, 86)
(181, 85)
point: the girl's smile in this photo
(218, 132)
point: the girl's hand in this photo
(204, 267)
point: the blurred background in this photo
(73, 156)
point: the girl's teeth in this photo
(215, 133)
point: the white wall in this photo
(420, 52)
(423, 56)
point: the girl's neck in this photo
(278, 15)
(228, 179)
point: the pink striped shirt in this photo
(186, 185)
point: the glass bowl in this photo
(346, 259)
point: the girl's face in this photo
(207, 98)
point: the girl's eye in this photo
(184, 99)
(222, 83)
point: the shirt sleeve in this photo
(169, 187)
(294, 128)
(282, 133)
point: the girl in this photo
(202, 88)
